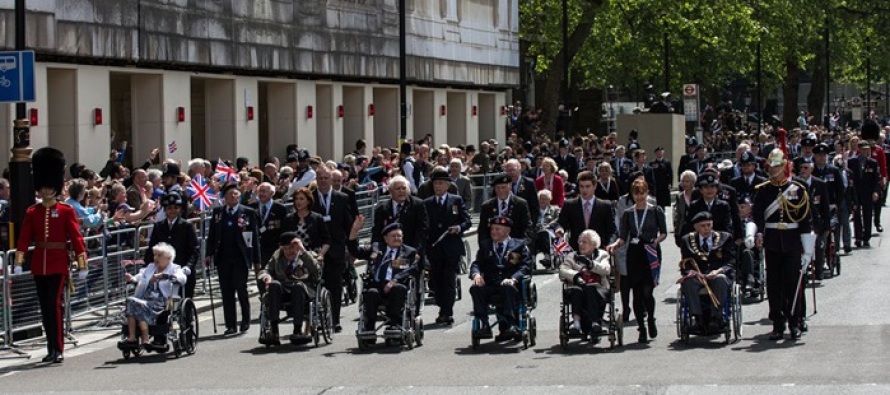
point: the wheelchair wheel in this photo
(464, 260)
(682, 331)
(458, 290)
(188, 327)
(418, 331)
(737, 318)
(563, 337)
(532, 331)
(325, 316)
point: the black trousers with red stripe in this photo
(50, 289)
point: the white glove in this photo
(82, 274)
(750, 234)
(17, 269)
(808, 241)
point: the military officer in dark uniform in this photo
(505, 203)
(233, 240)
(524, 188)
(819, 201)
(708, 186)
(806, 151)
(391, 265)
(867, 184)
(836, 182)
(664, 178)
(701, 161)
(448, 220)
(714, 253)
(51, 225)
(500, 264)
(566, 160)
(405, 209)
(745, 183)
(290, 274)
(272, 220)
(178, 233)
(622, 169)
(691, 146)
(782, 214)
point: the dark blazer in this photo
(569, 163)
(340, 221)
(440, 219)
(684, 164)
(832, 177)
(515, 263)
(743, 188)
(622, 173)
(664, 179)
(612, 195)
(182, 237)
(413, 219)
(425, 190)
(722, 254)
(403, 267)
(818, 191)
(730, 196)
(315, 229)
(866, 178)
(571, 219)
(270, 228)
(697, 165)
(719, 210)
(517, 209)
(250, 254)
(353, 202)
(528, 192)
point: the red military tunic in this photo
(56, 225)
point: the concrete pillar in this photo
(471, 122)
(355, 120)
(220, 118)
(176, 92)
(424, 113)
(61, 113)
(148, 123)
(337, 123)
(665, 130)
(92, 142)
(458, 116)
(281, 115)
(325, 113)
(500, 101)
(440, 124)
(487, 117)
(386, 117)
(247, 137)
(307, 128)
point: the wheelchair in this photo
(409, 332)
(832, 258)
(176, 327)
(350, 284)
(527, 325)
(755, 257)
(731, 312)
(612, 317)
(552, 259)
(318, 315)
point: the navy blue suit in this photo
(445, 255)
(494, 267)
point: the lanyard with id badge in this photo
(326, 203)
(638, 223)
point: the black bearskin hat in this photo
(870, 130)
(49, 169)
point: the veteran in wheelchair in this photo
(501, 277)
(292, 281)
(708, 302)
(390, 281)
(588, 293)
(158, 312)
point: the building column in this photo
(93, 142)
(307, 128)
(176, 93)
(247, 137)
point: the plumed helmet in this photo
(776, 158)
(49, 169)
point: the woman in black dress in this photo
(308, 225)
(642, 225)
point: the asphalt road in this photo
(845, 351)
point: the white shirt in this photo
(302, 182)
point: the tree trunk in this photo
(790, 92)
(553, 75)
(816, 97)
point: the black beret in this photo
(439, 175)
(504, 179)
(391, 227)
(821, 148)
(702, 216)
(286, 238)
(501, 220)
(225, 188)
(806, 161)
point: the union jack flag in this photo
(172, 146)
(201, 193)
(654, 263)
(225, 173)
(561, 246)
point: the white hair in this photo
(164, 249)
(592, 235)
(399, 180)
(268, 184)
(545, 192)
(196, 162)
(688, 174)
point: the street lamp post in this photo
(403, 78)
(21, 183)
(747, 106)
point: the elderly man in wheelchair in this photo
(498, 274)
(290, 278)
(151, 311)
(586, 276)
(391, 270)
(708, 262)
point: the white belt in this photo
(781, 225)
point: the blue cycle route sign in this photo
(17, 76)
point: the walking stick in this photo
(690, 261)
(210, 289)
(798, 291)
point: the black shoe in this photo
(574, 329)
(696, 324)
(776, 335)
(300, 338)
(338, 328)
(51, 356)
(804, 327)
(847, 250)
(879, 228)
(644, 338)
(653, 330)
(230, 331)
(858, 243)
(866, 245)
(507, 335)
(245, 327)
(447, 320)
(58, 358)
(596, 328)
(795, 333)
(483, 333)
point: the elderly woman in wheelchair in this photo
(586, 276)
(157, 284)
(290, 278)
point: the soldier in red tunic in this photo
(51, 225)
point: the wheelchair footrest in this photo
(366, 335)
(395, 333)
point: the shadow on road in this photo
(761, 343)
